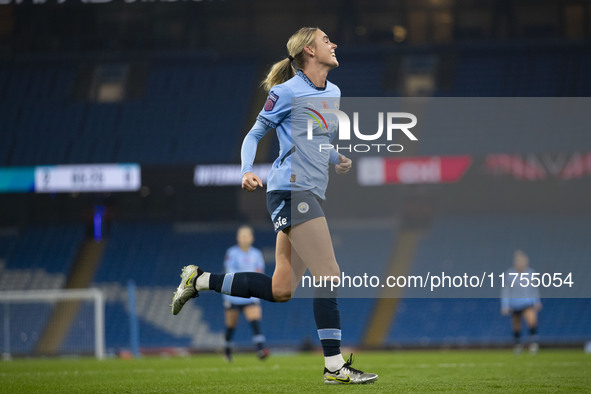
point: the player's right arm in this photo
(276, 108)
(251, 181)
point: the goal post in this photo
(54, 308)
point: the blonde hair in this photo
(284, 69)
(245, 227)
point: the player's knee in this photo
(335, 271)
(281, 295)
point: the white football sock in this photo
(332, 363)
(202, 282)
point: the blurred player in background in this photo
(303, 241)
(521, 301)
(243, 257)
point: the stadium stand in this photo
(478, 322)
(54, 251)
(484, 242)
(362, 77)
(521, 72)
(38, 258)
(177, 120)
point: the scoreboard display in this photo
(87, 178)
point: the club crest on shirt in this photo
(271, 100)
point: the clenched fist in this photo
(250, 182)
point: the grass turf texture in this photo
(409, 371)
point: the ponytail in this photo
(286, 68)
(279, 73)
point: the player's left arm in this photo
(342, 164)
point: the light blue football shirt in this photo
(518, 297)
(237, 260)
(301, 165)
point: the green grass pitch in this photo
(400, 371)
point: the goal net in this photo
(52, 323)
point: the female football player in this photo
(243, 257)
(522, 302)
(295, 191)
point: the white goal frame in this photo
(51, 296)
